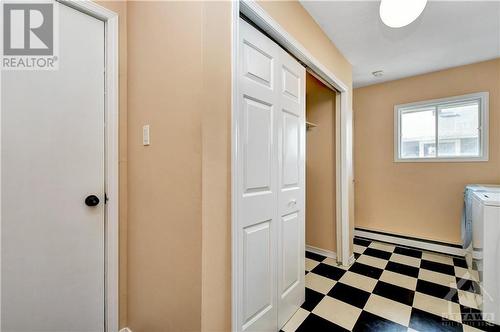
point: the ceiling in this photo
(447, 34)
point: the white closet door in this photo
(270, 239)
(257, 190)
(291, 192)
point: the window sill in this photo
(442, 160)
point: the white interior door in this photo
(257, 181)
(269, 171)
(291, 192)
(52, 158)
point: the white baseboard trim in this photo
(323, 252)
(424, 245)
(125, 329)
(351, 260)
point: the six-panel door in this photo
(291, 192)
(270, 164)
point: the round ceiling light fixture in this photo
(399, 13)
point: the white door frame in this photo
(110, 19)
(264, 21)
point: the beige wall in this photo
(418, 199)
(320, 166)
(175, 234)
(165, 75)
(216, 168)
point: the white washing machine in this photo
(486, 242)
(467, 233)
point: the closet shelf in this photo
(310, 125)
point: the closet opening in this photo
(321, 168)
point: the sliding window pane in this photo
(418, 133)
(458, 128)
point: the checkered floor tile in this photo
(389, 288)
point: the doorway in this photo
(59, 182)
(321, 167)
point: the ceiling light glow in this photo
(399, 13)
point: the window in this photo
(449, 129)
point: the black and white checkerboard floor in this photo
(389, 288)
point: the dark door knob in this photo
(92, 200)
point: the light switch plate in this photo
(145, 135)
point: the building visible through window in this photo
(451, 128)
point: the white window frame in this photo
(483, 98)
